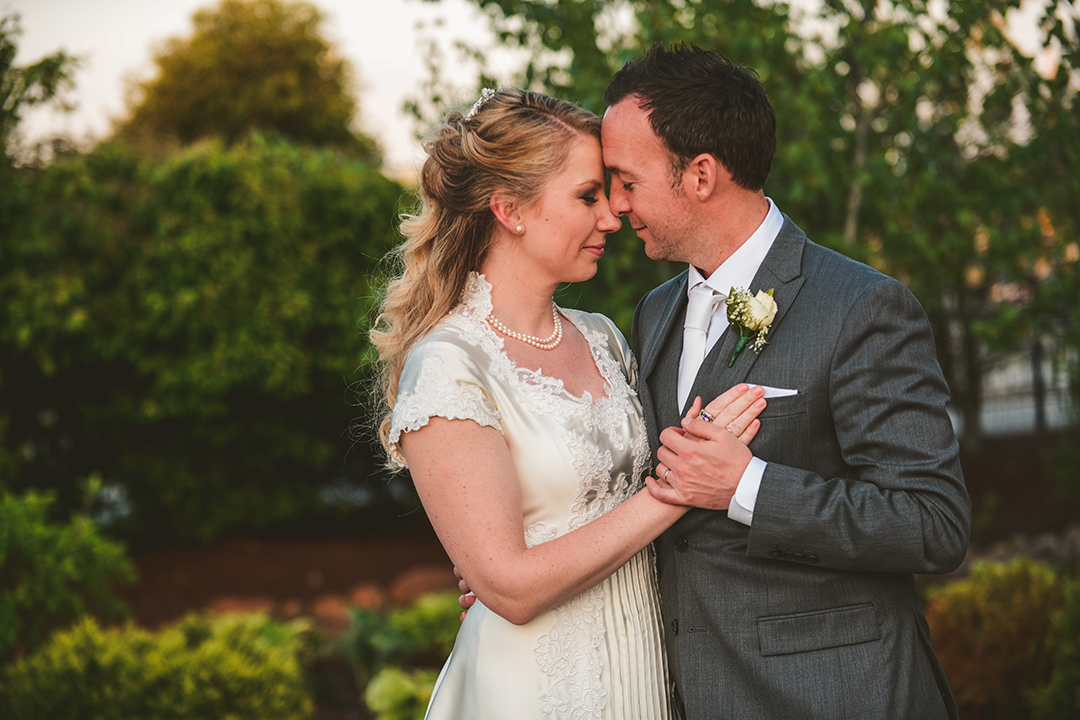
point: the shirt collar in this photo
(739, 269)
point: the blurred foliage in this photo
(983, 516)
(913, 136)
(21, 88)
(1062, 463)
(1059, 699)
(395, 654)
(996, 634)
(399, 694)
(242, 668)
(24, 87)
(250, 65)
(190, 328)
(186, 325)
(52, 573)
(422, 634)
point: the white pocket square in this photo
(774, 392)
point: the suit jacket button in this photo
(775, 553)
(800, 557)
(812, 558)
(675, 626)
(681, 544)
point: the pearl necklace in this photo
(549, 343)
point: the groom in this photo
(793, 597)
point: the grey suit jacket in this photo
(813, 611)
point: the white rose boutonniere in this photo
(751, 315)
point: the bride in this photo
(519, 422)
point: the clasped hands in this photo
(702, 461)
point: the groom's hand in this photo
(702, 462)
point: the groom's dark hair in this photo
(701, 102)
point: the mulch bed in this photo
(288, 578)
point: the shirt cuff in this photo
(742, 504)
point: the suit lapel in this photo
(672, 303)
(655, 372)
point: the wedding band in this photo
(706, 416)
(666, 471)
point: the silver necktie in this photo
(699, 312)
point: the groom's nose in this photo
(619, 202)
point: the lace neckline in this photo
(476, 305)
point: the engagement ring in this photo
(706, 416)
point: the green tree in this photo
(916, 138)
(21, 87)
(26, 86)
(251, 65)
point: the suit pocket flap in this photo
(786, 634)
(779, 407)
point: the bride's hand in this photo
(702, 462)
(734, 411)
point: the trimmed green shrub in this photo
(419, 635)
(992, 631)
(432, 623)
(397, 694)
(52, 573)
(371, 642)
(234, 667)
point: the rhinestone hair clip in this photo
(485, 95)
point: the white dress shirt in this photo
(739, 271)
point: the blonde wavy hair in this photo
(514, 141)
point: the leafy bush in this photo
(396, 694)
(187, 328)
(422, 634)
(237, 667)
(51, 573)
(993, 630)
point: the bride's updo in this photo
(512, 140)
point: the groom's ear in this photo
(506, 209)
(705, 176)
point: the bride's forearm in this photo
(470, 490)
(552, 573)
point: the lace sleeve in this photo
(439, 380)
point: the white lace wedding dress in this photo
(601, 655)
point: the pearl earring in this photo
(520, 229)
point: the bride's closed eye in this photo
(589, 198)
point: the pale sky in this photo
(116, 39)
